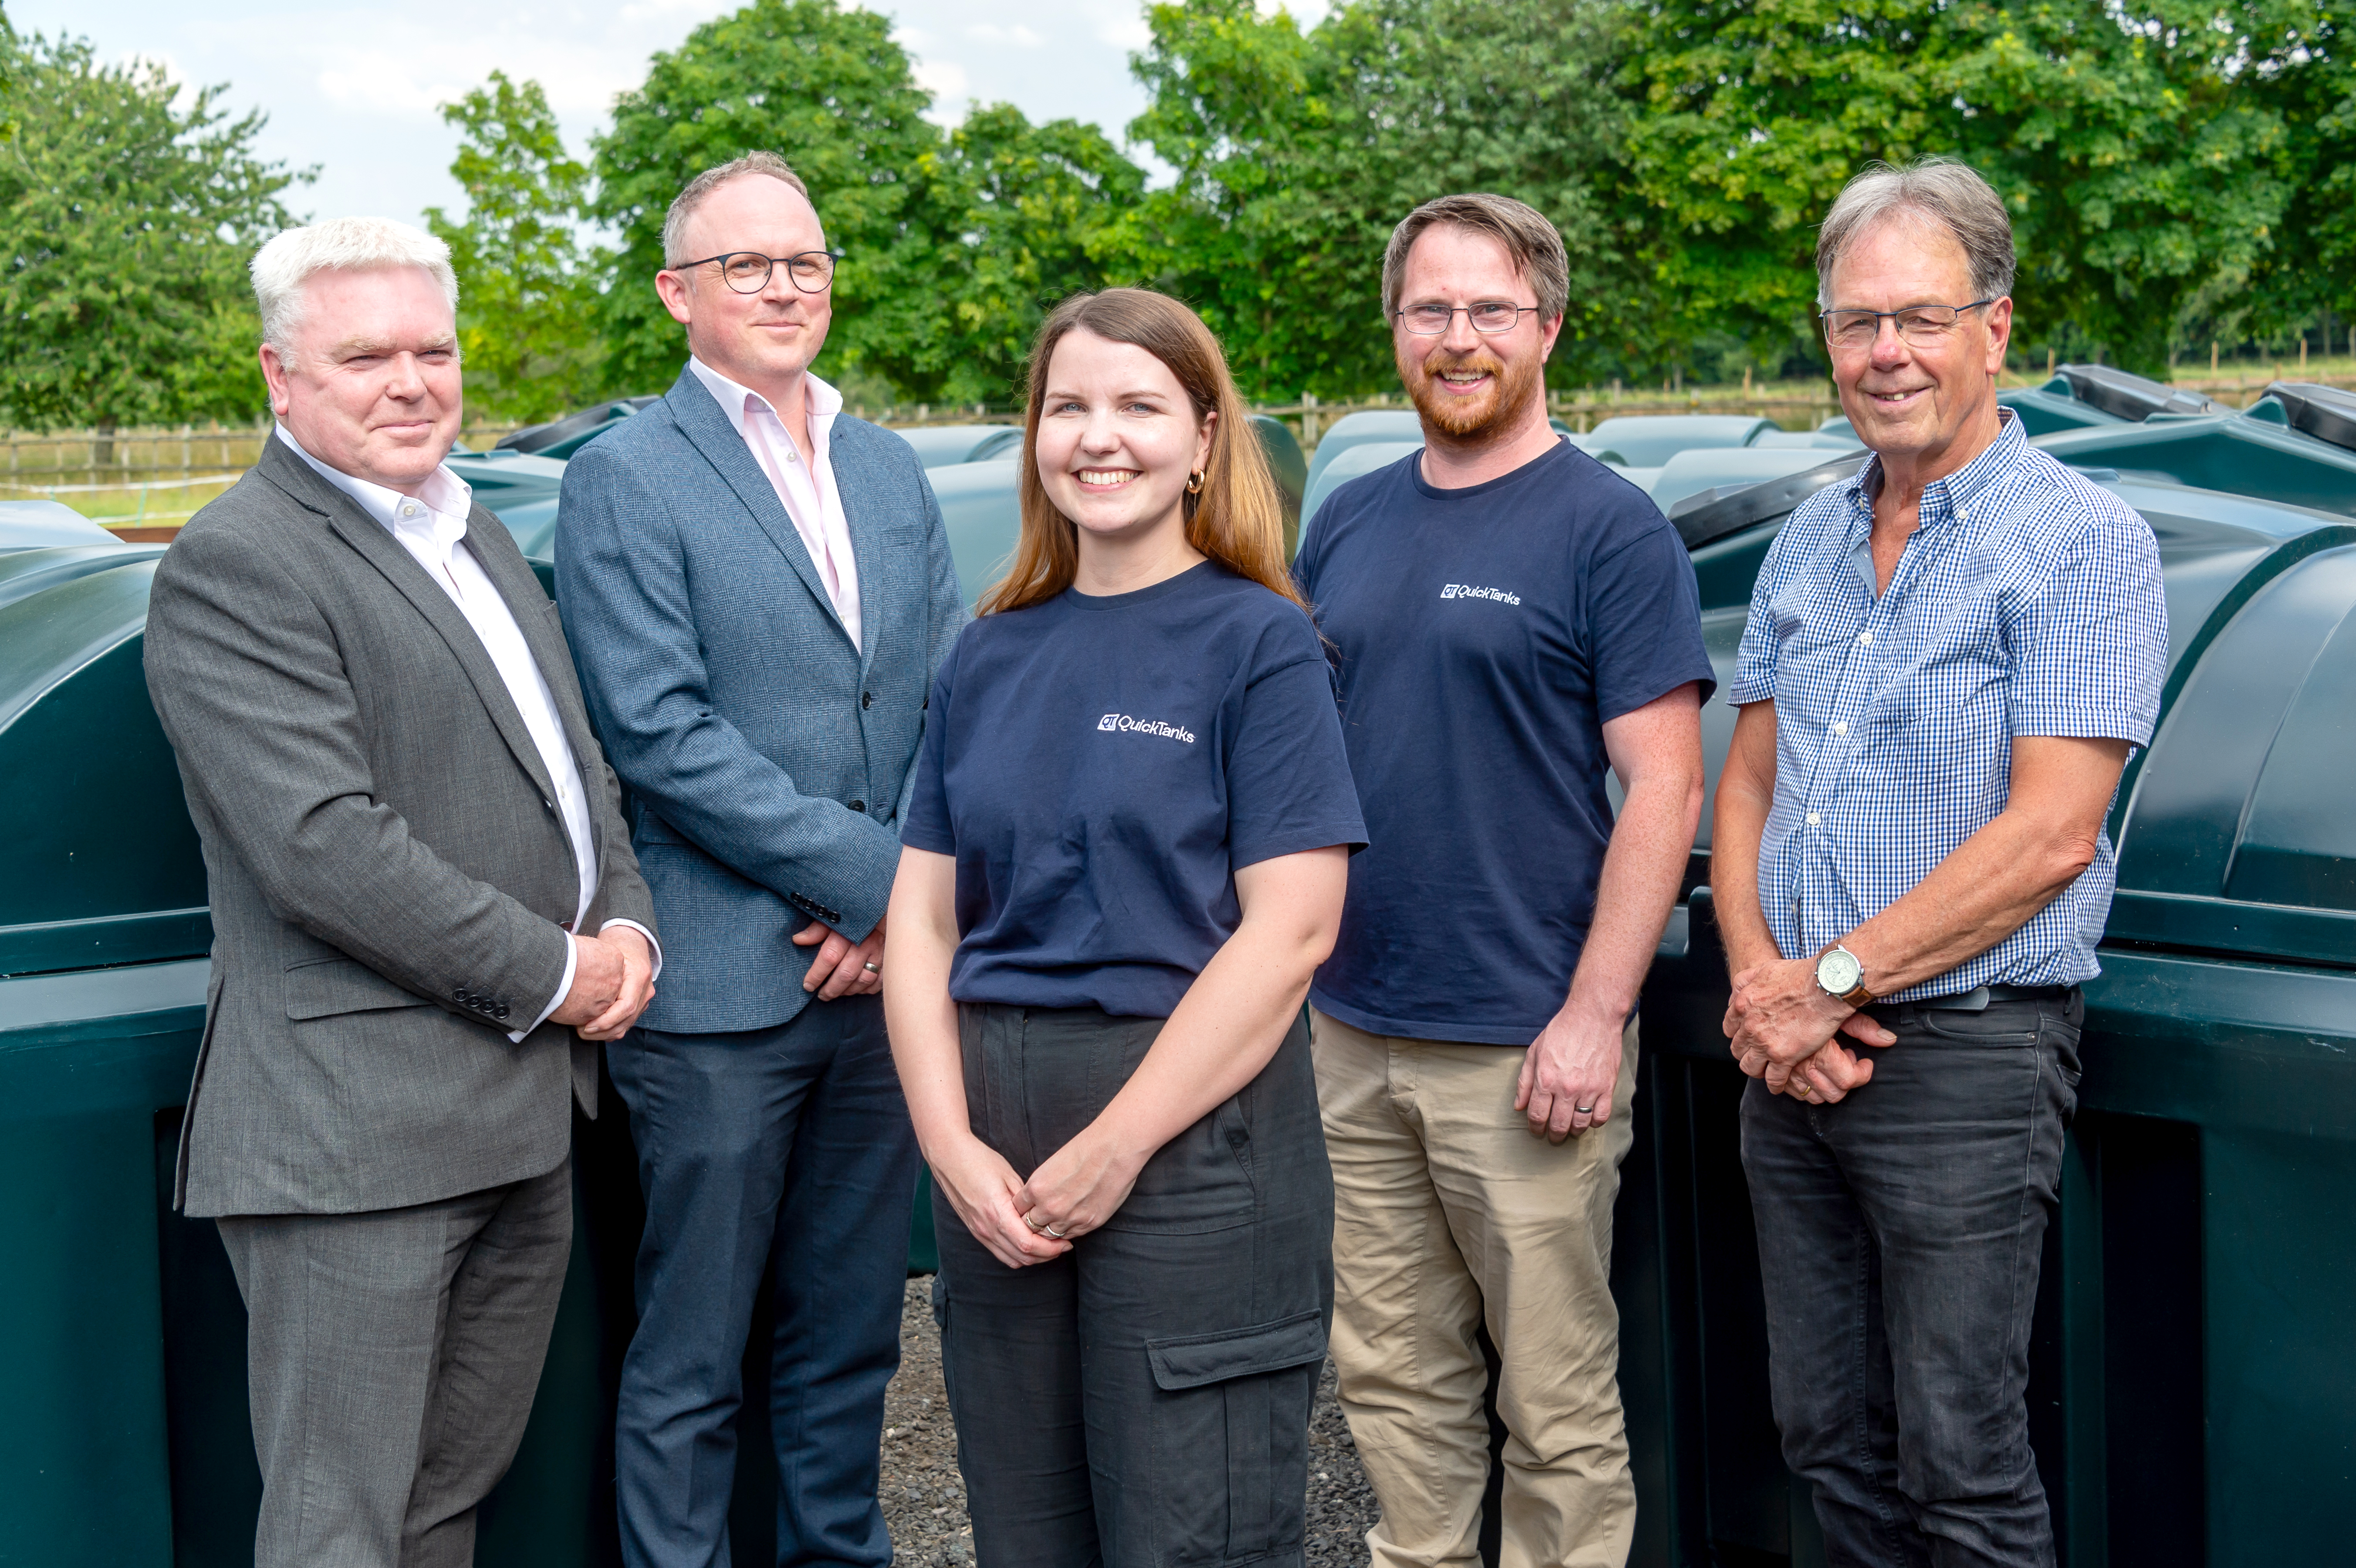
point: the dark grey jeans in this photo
(1900, 1233)
(1144, 1399)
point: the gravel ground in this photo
(923, 1497)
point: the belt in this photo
(1976, 1000)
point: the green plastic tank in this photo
(2196, 1334)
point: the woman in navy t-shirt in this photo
(1125, 855)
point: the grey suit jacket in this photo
(768, 758)
(388, 873)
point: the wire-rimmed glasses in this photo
(1489, 315)
(1919, 325)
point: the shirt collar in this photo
(444, 492)
(1945, 497)
(822, 402)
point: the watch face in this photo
(1838, 971)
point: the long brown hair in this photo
(1237, 520)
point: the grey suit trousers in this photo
(392, 1357)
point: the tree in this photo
(1297, 154)
(2146, 179)
(128, 210)
(528, 295)
(1037, 214)
(827, 90)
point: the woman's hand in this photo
(988, 1196)
(1080, 1185)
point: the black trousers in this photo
(1144, 1399)
(1899, 1236)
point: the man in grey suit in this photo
(759, 591)
(425, 915)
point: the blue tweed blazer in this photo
(768, 759)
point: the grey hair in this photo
(1533, 242)
(281, 267)
(1947, 192)
(692, 194)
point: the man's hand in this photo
(1569, 1074)
(612, 981)
(1779, 1018)
(842, 968)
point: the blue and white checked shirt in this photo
(2028, 602)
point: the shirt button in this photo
(1814, 819)
(866, 699)
(1864, 636)
(1840, 726)
(858, 805)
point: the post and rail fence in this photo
(157, 478)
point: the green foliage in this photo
(128, 210)
(527, 287)
(1298, 153)
(2312, 266)
(1031, 215)
(2147, 171)
(827, 88)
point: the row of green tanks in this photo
(2196, 1344)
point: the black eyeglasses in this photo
(1919, 325)
(1491, 316)
(747, 272)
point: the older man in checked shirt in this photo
(1948, 661)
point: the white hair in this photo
(281, 267)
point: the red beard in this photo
(1463, 418)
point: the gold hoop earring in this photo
(1194, 482)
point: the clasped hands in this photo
(842, 967)
(612, 981)
(1073, 1191)
(1783, 1027)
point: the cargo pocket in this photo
(1231, 1440)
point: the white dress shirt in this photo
(431, 527)
(807, 489)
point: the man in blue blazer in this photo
(758, 590)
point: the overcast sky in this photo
(354, 88)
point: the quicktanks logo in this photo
(1466, 591)
(1146, 726)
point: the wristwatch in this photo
(1842, 976)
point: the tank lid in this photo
(2327, 414)
(1714, 514)
(2115, 391)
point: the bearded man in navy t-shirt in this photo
(1510, 618)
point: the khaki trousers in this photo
(1449, 1212)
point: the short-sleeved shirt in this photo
(1101, 766)
(2028, 602)
(1483, 637)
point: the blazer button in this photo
(858, 805)
(866, 699)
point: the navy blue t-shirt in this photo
(1484, 636)
(1101, 765)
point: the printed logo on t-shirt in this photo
(1466, 591)
(1146, 726)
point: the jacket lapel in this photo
(521, 591)
(706, 425)
(381, 550)
(848, 463)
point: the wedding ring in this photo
(1583, 1110)
(871, 967)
